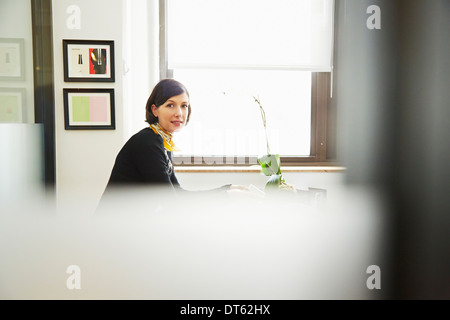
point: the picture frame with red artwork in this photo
(88, 60)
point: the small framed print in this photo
(12, 105)
(88, 61)
(12, 59)
(89, 109)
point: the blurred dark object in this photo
(392, 86)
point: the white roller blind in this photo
(291, 34)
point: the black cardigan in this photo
(142, 160)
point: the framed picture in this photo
(12, 59)
(89, 109)
(88, 61)
(12, 105)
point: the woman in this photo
(146, 158)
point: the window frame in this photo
(323, 121)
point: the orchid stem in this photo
(263, 115)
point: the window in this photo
(229, 52)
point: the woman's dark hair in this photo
(164, 90)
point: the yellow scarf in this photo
(167, 137)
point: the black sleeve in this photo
(151, 161)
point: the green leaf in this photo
(270, 164)
(274, 182)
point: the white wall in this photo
(331, 181)
(84, 157)
(141, 53)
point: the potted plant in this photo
(270, 163)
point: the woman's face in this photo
(173, 113)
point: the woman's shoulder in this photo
(143, 139)
(147, 135)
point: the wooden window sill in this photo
(254, 169)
